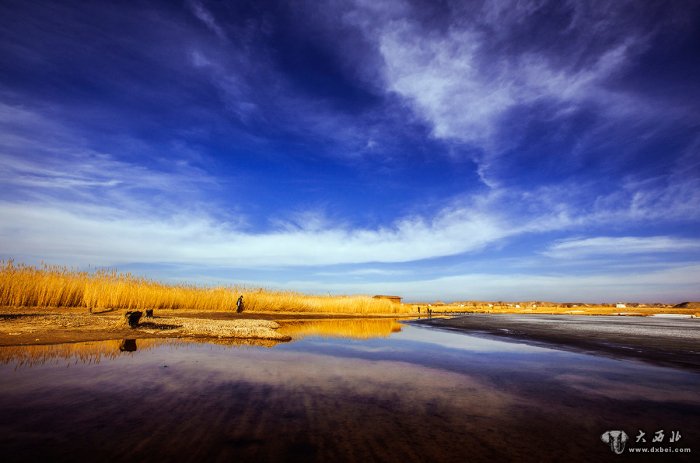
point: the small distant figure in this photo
(418, 309)
(239, 304)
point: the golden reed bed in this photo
(53, 286)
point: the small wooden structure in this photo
(394, 299)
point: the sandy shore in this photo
(32, 327)
(667, 341)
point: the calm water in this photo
(345, 391)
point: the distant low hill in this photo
(687, 305)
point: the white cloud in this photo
(101, 235)
(79, 206)
(673, 198)
(672, 285)
(464, 94)
(582, 247)
(441, 77)
(467, 74)
(72, 205)
(84, 207)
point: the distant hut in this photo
(394, 299)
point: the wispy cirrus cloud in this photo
(103, 236)
(484, 75)
(60, 166)
(466, 76)
(110, 211)
(204, 15)
(110, 233)
(665, 285)
(610, 246)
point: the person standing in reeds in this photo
(239, 304)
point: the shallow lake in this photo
(362, 390)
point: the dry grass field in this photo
(53, 286)
(59, 287)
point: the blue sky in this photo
(433, 149)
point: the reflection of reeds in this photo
(80, 352)
(53, 286)
(94, 352)
(360, 329)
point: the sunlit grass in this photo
(54, 286)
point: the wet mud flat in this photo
(660, 340)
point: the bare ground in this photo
(667, 341)
(34, 326)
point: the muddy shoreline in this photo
(663, 341)
(32, 326)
